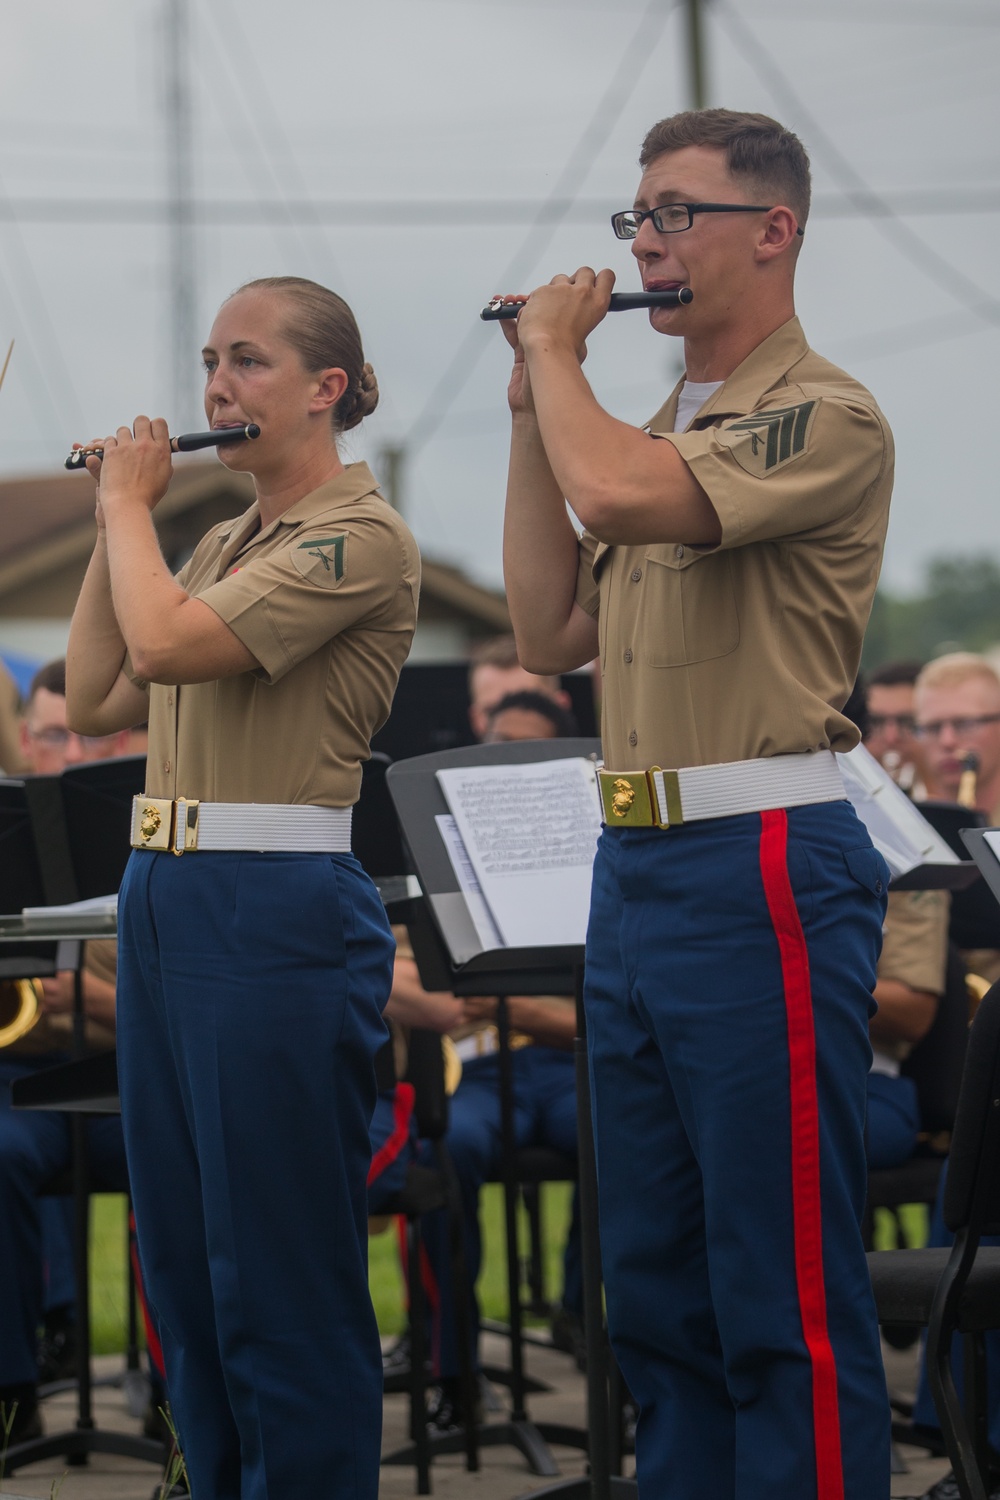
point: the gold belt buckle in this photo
(159, 823)
(185, 824)
(629, 798)
(152, 822)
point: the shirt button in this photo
(636, 574)
(170, 700)
(628, 653)
(633, 738)
(166, 766)
(679, 551)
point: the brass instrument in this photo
(975, 988)
(966, 795)
(20, 1008)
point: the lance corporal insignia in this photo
(321, 560)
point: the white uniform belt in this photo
(183, 825)
(660, 799)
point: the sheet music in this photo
(530, 833)
(902, 836)
(96, 906)
(991, 836)
(486, 928)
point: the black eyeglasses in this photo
(672, 218)
(902, 723)
(961, 727)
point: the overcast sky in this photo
(471, 115)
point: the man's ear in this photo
(779, 236)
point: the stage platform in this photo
(503, 1475)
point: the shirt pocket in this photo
(688, 612)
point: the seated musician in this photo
(542, 1030)
(36, 1245)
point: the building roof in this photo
(47, 529)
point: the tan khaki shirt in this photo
(751, 648)
(325, 598)
(915, 940)
(914, 952)
(11, 761)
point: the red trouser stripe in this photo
(806, 1208)
(152, 1337)
(402, 1111)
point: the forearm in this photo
(411, 1005)
(904, 1014)
(146, 598)
(625, 486)
(547, 1018)
(171, 637)
(99, 699)
(541, 561)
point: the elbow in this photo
(598, 507)
(155, 663)
(82, 720)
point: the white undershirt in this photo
(694, 394)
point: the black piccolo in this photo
(675, 296)
(188, 442)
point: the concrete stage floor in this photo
(503, 1476)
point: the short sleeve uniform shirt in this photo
(325, 598)
(750, 648)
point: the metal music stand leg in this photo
(77, 1444)
(599, 1483)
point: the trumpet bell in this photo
(20, 1008)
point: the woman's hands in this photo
(135, 469)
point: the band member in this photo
(251, 983)
(36, 1232)
(725, 575)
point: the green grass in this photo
(107, 1260)
(108, 1270)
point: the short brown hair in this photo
(324, 333)
(494, 651)
(51, 677)
(771, 159)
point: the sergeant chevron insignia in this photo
(765, 441)
(321, 560)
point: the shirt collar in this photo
(742, 391)
(351, 484)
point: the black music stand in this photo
(471, 969)
(430, 709)
(78, 825)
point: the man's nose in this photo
(74, 750)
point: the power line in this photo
(264, 122)
(889, 12)
(852, 184)
(621, 87)
(448, 213)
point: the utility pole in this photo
(391, 467)
(182, 273)
(696, 54)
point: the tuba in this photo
(20, 1008)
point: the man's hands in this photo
(562, 314)
(136, 466)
